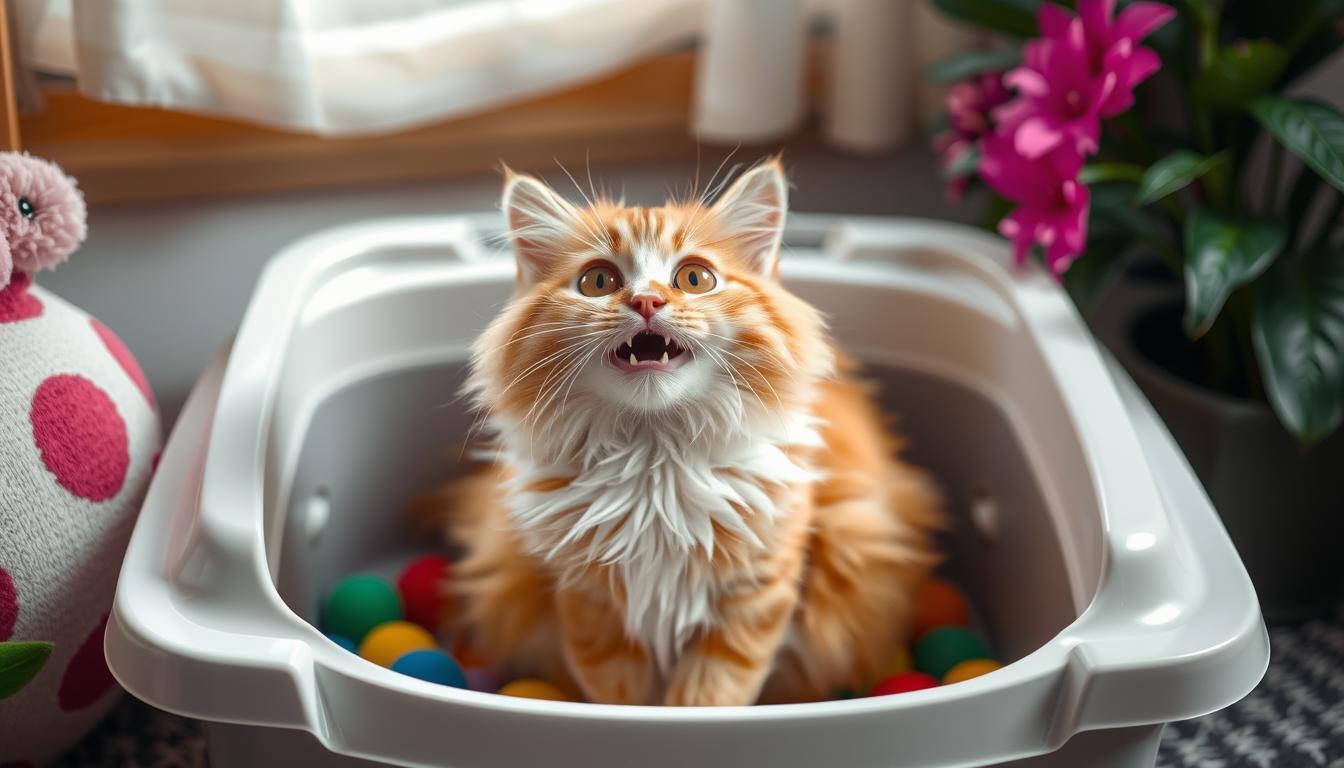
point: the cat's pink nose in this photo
(646, 304)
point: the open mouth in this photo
(647, 351)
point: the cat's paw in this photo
(618, 683)
(698, 683)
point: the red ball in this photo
(423, 589)
(904, 683)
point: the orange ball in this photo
(531, 688)
(938, 604)
(970, 668)
(388, 641)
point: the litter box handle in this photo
(177, 636)
(1160, 643)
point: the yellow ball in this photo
(388, 641)
(968, 669)
(898, 664)
(530, 688)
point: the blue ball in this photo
(432, 665)
(344, 642)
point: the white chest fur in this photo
(645, 502)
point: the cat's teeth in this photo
(630, 342)
(664, 357)
(667, 342)
(633, 361)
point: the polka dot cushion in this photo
(79, 433)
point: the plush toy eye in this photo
(26, 209)
(600, 280)
(694, 278)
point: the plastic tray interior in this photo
(374, 444)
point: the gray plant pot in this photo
(1282, 504)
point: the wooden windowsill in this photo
(122, 153)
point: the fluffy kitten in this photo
(694, 503)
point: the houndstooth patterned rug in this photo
(1294, 719)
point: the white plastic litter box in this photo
(1099, 569)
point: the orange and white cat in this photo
(694, 502)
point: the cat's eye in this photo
(26, 209)
(599, 280)
(693, 277)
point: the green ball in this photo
(357, 604)
(941, 649)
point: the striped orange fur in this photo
(695, 501)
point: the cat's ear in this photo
(541, 223)
(752, 214)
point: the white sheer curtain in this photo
(344, 67)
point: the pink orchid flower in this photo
(1113, 41)
(1083, 68)
(969, 105)
(1052, 204)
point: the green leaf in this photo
(1115, 215)
(1221, 255)
(1311, 130)
(1304, 190)
(1241, 72)
(1174, 172)
(966, 163)
(19, 663)
(964, 66)
(1013, 17)
(1101, 173)
(1298, 331)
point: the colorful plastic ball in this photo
(482, 679)
(970, 668)
(904, 683)
(421, 585)
(344, 642)
(389, 642)
(530, 688)
(941, 649)
(357, 604)
(432, 665)
(938, 604)
(898, 663)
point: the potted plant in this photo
(1099, 130)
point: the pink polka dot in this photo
(87, 677)
(16, 303)
(81, 436)
(123, 356)
(9, 605)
